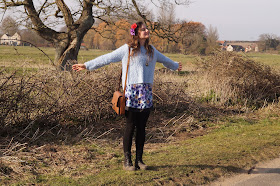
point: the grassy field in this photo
(30, 57)
(272, 60)
(12, 56)
(234, 147)
(232, 141)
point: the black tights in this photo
(138, 120)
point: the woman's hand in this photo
(180, 67)
(79, 67)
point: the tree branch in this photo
(3, 15)
(45, 32)
(42, 7)
(166, 33)
(56, 14)
(138, 10)
(65, 12)
(13, 3)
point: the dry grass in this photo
(231, 79)
(65, 107)
(51, 96)
(36, 104)
(42, 109)
(48, 103)
(69, 106)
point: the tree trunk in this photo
(65, 56)
(67, 49)
(67, 44)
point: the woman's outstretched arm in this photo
(167, 62)
(103, 60)
(79, 67)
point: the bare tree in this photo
(166, 14)
(268, 42)
(166, 20)
(30, 36)
(212, 37)
(78, 19)
(9, 26)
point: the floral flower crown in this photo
(132, 30)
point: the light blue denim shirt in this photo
(138, 71)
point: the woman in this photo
(139, 86)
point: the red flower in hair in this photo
(134, 26)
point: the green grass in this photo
(22, 57)
(22, 54)
(233, 147)
(223, 151)
(272, 60)
(86, 55)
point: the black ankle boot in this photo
(139, 164)
(127, 165)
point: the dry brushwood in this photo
(44, 103)
(232, 79)
(53, 96)
(34, 105)
(69, 106)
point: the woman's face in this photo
(143, 32)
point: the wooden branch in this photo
(56, 14)
(138, 10)
(42, 7)
(150, 23)
(101, 33)
(3, 15)
(13, 3)
(184, 2)
(65, 12)
(86, 19)
(44, 31)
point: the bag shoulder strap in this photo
(128, 60)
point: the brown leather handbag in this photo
(118, 100)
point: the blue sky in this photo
(235, 19)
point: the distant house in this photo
(229, 48)
(238, 48)
(256, 48)
(222, 44)
(6, 39)
(246, 46)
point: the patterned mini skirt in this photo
(139, 96)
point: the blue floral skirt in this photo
(139, 96)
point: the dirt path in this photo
(266, 173)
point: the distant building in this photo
(229, 48)
(256, 48)
(246, 46)
(14, 40)
(222, 44)
(238, 48)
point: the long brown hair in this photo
(135, 44)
